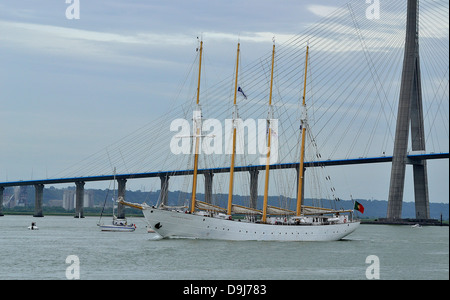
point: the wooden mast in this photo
(266, 183)
(197, 128)
(302, 151)
(233, 154)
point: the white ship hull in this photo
(173, 224)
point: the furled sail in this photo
(310, 210)
(272, 210)
(238, 209)
(182, 207)
(209, 207)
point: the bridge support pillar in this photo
(39, 194)
(410, 112)
(418, 144)
(422, 203)
(164, 193)
(79, 199)
(2, 189)
(253, 188)
(121, 193)
(208, 186)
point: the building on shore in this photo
(69, 199)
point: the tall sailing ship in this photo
(207, 221)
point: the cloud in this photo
(26, 33)
(322, 10)
(88, 43)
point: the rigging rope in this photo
(355, 71)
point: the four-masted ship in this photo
(206, 221)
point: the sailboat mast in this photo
(302, 151)
(233, 154)
(266, 182)
(197, 135)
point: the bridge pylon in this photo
(410, 113)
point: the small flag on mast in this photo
(242, 92)
(359, 207)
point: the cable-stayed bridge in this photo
(355, 83)
(208, 173)
(412, 159)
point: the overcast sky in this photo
(71, 87)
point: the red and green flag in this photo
(359, 207)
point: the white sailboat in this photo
(206, 221)
(117, 224)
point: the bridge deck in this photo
(354, 161)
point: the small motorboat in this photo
(416, 226)
(33, 226)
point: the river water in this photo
(371, 252)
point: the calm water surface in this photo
(403, 252)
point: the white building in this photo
(69, 199)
